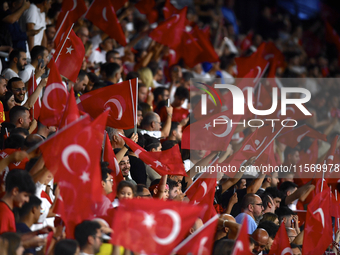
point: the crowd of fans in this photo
(29, 196)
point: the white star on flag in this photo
(69, 49)
(158, 163)
(149, 220)
(207, 126)
(85, 177)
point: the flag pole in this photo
(62, 23)
(103, 145)
(212, 162)
(135, 128)
(64, 43)
(336, 198)
(33, 78)
(323, 176)
(269, 143)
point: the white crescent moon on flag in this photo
(104, 14)
(257, 143)
(331, 157)
(73, 148)
(48, 91)
(201, 245)
(205, 187)
(287, 250)
(176, 228)
(74, 5)
(288, 108)
(118, 105)
(258, 73)
(228, 129)
(299, 138)
(319, 210)
(177, 17)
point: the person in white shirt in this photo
(39, 60)
(17, 62)
(99, 54)
(34, 19)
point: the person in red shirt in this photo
(179, 113)
(19, 186)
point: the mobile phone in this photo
(41, 62)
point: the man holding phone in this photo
(39, 60)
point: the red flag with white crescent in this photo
(146, 226)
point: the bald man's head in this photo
(261, 238)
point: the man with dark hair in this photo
(175, 132)
(252, 208)
(125, 166)
(17, 62)
(17, 86)
(285, 215)
(142, 191)
(81, 83)
(268, 203)
(113, 56)
(275, 194)
(19, 186)
(89, 237)
(296, 249)
(174, 189)
(3, 90)
(271, 229)
(29, 214)
(107, 184)
(113, 73)
(20, 116)
(160, 94)
(39, 60)
(83, 33)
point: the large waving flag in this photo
(120, 99)
(54, 99)
(103, 15)
(163, 162)
(143, 226)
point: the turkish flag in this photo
(147, 7)
(281, 243)
(70, 50)
(103, 15)
(74, 10)
(202, 192)
(15, 165)
(31, 87)
(271, 53)
(318, 229)
(335, 204)
(54, 99)
(171, 28)
(255, 145)
(242, 246)
(205, 135)
(331, 35)
(71, 112)
(189, 49)
(169, 9)
(110, 157)
(294, 136)
(264, 98)
(73, 156)
(201, 241)
(163, 162)
(208, 54)
(149, 227)
(254, 61)
(247, 41)
(120, 98)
